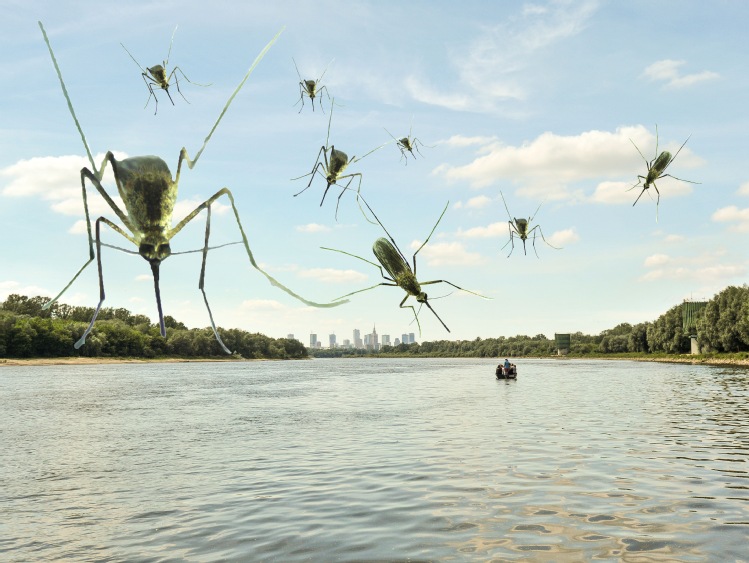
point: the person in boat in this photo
(507, 364)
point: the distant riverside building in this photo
(386, 340)
(373, 340)
(313, 340)
(562, 341)
(404, 338)
(346, 343)
(357, 339)
(331, 341)
(397, 341)
(290, 336)
(411, 338)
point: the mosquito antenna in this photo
(677, 152)
(323, 72)
(169, 53)
(432, 232)
(506, 208)
(132, 57)
(191, 163)
(297, 71)
(70, 104)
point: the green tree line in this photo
(722, 326)
(28, 331)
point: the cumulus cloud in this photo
(447, 253)
(703, 269)
(313, 228)
(613, 193)
(488, 70)
(547, 165)
(667, 71)
(490, 231)
(744, 189)
(331, 275)
(8, 287)
(563, 238)
(477, 202)
(732, 214)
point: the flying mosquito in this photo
(332, 168)
(520, 228)
(149, 194)
(656, 169)
(311, 88)
(400, 273)
(157, 76)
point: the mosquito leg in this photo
(416, 317)
(86, 173)
(455, 286)
(82, 339)
(430, 234)
(201, 283)
(271, 279)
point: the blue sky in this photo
(537, 99)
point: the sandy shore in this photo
(88, 361)
(684, 359)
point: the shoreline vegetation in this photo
(32, 335)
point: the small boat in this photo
(506, 373)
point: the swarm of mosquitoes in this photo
(149, 194)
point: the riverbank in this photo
(75, 361)
(739, 359)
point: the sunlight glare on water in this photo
(351, 459)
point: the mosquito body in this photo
(399, 271)
(311, 88)
(157, 76)
(521, 228)
(332, 167)
(408, 145)
(656, 169)
(149, 194)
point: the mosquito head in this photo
(155, 253)
(422, 298)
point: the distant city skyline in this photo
(370, 340)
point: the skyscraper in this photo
(313, 340)
(357, 339)
(331, 341)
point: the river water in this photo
(369, 459)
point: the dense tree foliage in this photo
(723, 326)
(28, 331)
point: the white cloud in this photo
(657, 260)
(744, 189)
(57, 179)
(313, 228)
(331, 275)
(613, 193)
(477, 202)
(563, 238)
(546, 166)
(733, 214)
(703, 268)
(447, 253)
(490, 231)
(460, 141)
(667, 71)
(262, 305)
(9, 287)
(488, 69)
